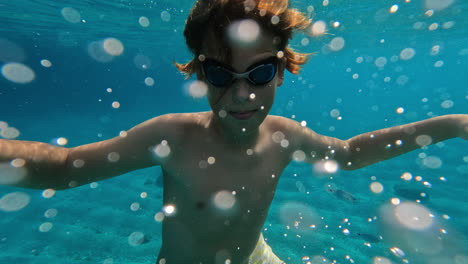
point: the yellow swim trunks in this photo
(263, 254)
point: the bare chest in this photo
(218, 184)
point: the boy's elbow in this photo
(52, 174)
(351, 160)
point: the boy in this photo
(221, 167)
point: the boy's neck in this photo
(233, 138)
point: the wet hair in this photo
(214, 16)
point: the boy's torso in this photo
(221, 193)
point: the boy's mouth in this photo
(242, 115)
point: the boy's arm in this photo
(39, 165)
(376, 146)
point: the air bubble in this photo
(197, 89)
(435, 50)
(45, 227)
(144, 21)
(244, 32)
(407, 54)
(335, 113)
(46, 63)
(169, 210)
(113, 46)
(280, 54)
(211, 160)
(275, 20)
(48, 193)
(432, 162)
(135, 207)
(413, 216)
(326, 167)
(115, 105)
(433, 26)
(284, 143)
(50, 213)
(402, 80)
(376, 187)
(61, 141)
(448, 24)
(438, 4)
(397, 252)
(337, 44)
(136, 238)
(159, 217)
(439, 63)
(447, 104)
(165, 16)
(78, 163)
(97, 52)
(18, 73)
(224, 200)
(319, 28)
(162, 150)
(395, 201)
(380, 62)
(222, 113)
(277, 136)
(11, 173)
(149, 81)
(418, 25)
(299, 155)
(71, 15)
(10, 133)
(113, 157)
(14, 201)
(393, 9)
(423, 140)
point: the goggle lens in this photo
(260, 73)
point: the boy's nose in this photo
(240, 90)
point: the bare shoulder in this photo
(283, 124)
(297, 133)
(171, 124)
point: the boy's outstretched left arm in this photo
(372, 147)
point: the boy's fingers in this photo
(464, 126)
(465, 132)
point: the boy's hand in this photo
(464, 127)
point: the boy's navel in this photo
(200, 205)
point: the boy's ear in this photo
(198, 72)
(281, 68)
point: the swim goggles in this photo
(221, 75)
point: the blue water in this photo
(70, 99)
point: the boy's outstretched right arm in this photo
(39, 165)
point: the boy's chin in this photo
(243, 127)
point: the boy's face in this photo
(241, 105)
